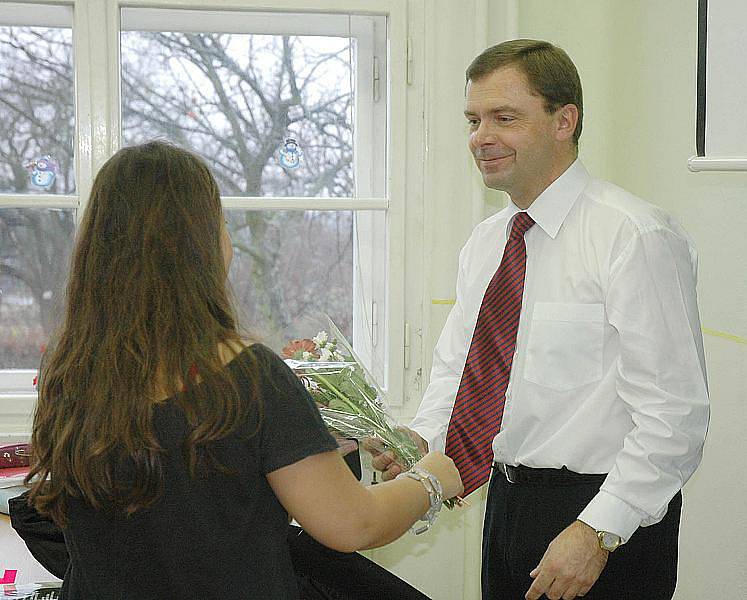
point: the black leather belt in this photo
(548, 477)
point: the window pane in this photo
(272, 114)
(35, 246)
(289, 268)
(37, 117)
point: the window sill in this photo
(16, 414)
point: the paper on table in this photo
(6, 494)
(13, 476)
(31, 591)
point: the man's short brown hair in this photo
(549, 70)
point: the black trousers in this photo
(522, 519)
(325, 574)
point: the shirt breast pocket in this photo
(565, 345)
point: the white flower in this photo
(324, 354)
(308, 356)
(321, 339)
(310, 385)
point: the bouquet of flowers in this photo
(349, 400)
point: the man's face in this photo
(516, 144)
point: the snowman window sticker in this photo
(42, 171)
(290, 154)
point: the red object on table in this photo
(12, 472)
(14, 455)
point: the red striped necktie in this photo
(478, 408)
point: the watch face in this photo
(610, 540)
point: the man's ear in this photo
(566, 118)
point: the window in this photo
(291, 111)
(282, 107)
(271, 112)
(37, 181)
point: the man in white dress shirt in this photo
(605, 410)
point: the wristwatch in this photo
(609, 541)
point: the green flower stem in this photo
(337, 392)
(400, 443)
(402, 446)
(354, 408)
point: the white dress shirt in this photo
(609, 371)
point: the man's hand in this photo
(571, 564)
(383, 460)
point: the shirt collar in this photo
(551, 207)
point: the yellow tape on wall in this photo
(726, 336)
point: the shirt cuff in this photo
(606, 512)
(433, 434)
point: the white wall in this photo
(446, 35)
(637, 61)
(713, 208)
(638, 65)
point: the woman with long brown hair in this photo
(169, 449)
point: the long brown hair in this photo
(147, 306)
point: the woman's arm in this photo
(333, 507)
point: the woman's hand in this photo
(443, 468)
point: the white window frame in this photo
(96, 25)
(17, 394)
